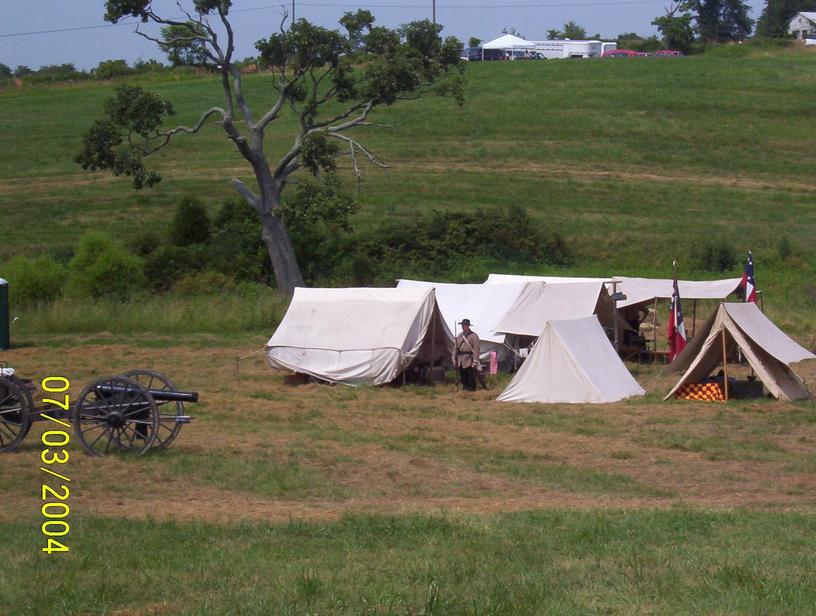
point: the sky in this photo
(255, 19)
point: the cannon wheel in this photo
(15, 414)
(168, 411)
(115, 414)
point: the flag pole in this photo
(725, 367)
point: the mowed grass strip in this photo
(679, 562)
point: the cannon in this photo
(130, 413)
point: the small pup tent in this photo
(769, 351)
(573, 361)
(359, 336)
(484, 305)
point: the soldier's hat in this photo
(466, 322)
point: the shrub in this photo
(144, 243)
(102, 268)
(236, 248)
(109, 69)
(717, 256)
(167, 264)
(34, 280)
(203, 283)
(190, 223)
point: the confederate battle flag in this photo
(677, 329)
(748, 282)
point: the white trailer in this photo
(571, 48)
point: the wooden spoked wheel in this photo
(115, 414)
(168, 409)
(15, 413)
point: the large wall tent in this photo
(646, 290)
(540, 303)
(573, 361)
(359, 336)
(768, 350)
(483, 305)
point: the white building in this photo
(803, 25)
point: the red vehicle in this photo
(622, 53)
(667, 53)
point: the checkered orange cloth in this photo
(707, 392)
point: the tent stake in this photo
(725, 367)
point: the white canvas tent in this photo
(517, 278)
(483, 305)
(769, 351)
(638, 290)
(540, 303)
(359, 336)
(646, 290)
(573, 361)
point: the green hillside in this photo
(634, 162)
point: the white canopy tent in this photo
(769, 351)
(508, 41)
(540, 303)
(573, 361)
(359, 336)
(483, 305)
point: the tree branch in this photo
(353, 143)
(249, 196)
(166, 136)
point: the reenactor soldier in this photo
(466, 356)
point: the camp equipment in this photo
(131, 413)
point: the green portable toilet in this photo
(5, 337)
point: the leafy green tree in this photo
(5, 71)
(317, 75)
(777, 14)
(109, 69)
(474, 42)
(573, 31)
(22, 70)
(676, 29)
(554, 35)
(183, 45)
(356, 24)
(190, 223)
(512, 31)
(719, 21)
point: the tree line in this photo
(690, 25)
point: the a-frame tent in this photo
(768, 350)
(573, 361)
(359, 336)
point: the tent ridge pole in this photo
(725, 366)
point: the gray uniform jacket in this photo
(466, 351)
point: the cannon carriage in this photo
(129, 413)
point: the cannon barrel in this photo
(159, 395)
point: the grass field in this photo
(332, 500)
(634, 162)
